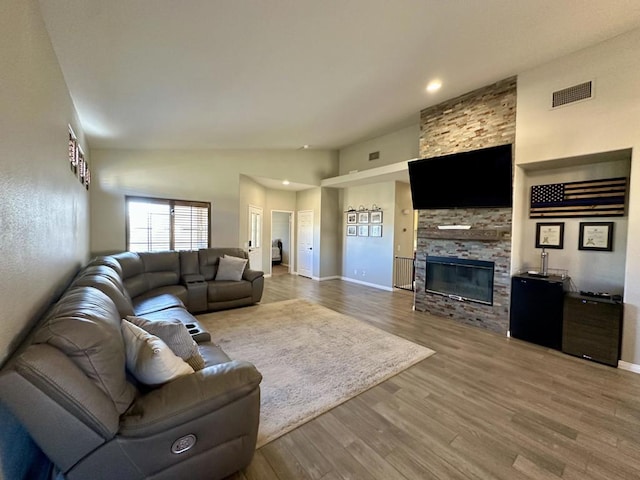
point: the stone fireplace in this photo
(482, 118)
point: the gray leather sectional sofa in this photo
(69, 386)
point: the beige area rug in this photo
(311, 358)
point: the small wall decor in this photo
(375, 216)
(591, 198)
(351, 230)
(77, 162)
(363, 230)
(352, 217)
(375, 230)
(550, 235)
(363, 217)
(596, 236)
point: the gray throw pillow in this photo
(177, 337)
(231, 268)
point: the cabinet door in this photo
(536, 311)
(592, 330)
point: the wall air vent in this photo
(374, 156)
(583, 91)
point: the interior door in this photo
(255, 237)
(305, 243)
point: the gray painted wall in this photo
(394, 147)
(204, 175)
(45, 245)
(370, 259)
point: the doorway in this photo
(281, 242)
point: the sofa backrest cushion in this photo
(133, 275)
(161, 268)
(109, 262)
(109, 282)
(189, 262)
(209, 259)
(85, 325)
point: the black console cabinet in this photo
(536, 309)
(592, 328)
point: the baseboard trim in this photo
(366, 284)
(333, 277)
(631, 367)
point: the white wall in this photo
(330, 231)
(606, 123)
(44, 219)
(203, 175)
(370, 259)
(404, 221)
(394, 147)
(589, 270)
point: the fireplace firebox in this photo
(460, 279)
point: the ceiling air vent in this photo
(374, 156)
(573, 94)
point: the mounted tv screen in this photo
(479, 178)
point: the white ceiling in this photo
(283, 73)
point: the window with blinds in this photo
(155, 224)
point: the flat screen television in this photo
(479, 178)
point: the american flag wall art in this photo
(591, 198)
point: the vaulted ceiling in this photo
(266, 74)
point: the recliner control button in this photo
(183, 444)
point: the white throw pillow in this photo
(149, 359)
(175, 334)
(231, 268)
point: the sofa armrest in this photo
(251, 275)
(189, 397)
(191, 278)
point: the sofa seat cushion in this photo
(213, 354)
(150, 303)
(85, 326)
(225, 290)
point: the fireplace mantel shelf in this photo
(482, 234)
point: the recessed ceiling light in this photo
(434, 86)
(286, 182)
(306, 147)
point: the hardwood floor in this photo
(483, 407)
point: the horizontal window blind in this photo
(164, 224)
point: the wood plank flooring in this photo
(483, 407)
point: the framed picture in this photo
(375, 231)
(363, 217)
(550, 235)
(375, 217)
(352, 218)
(363, 230)
(596, 236)
(351, 231)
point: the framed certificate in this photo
(596, 236)
(550, 235)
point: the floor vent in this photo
(374, 156)
(573, 94)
